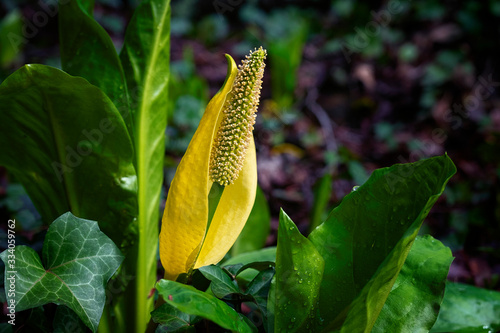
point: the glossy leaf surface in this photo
(259, 289)
(78, 260)
(88, 51)
(145, 58)
(194, 302)
(264, 255)
(299, 270)
(69, 148)
(468, 309)
(366, 239)
(414, 301)
(222, 284)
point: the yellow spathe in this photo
(185, 217)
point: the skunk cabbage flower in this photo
(223, 151)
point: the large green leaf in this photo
(254, 234)
(68, 146)
(468, 309)
(88, 51)
(194, 302)
(78, 260)
(414, 301)
(299, 270)
(366, 239)
(145, 58)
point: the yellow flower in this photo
(221, 150)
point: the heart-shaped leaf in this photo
(78, 260)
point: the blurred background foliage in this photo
(350, 86)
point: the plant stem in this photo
(105, 325)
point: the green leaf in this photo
(257, 265)
(366, 239)
(67, 321)
(88, 51)
(264, 255)
(78, 260)
(414, 301)
(258, 289)
(299, 270)
(468, 309)
(254, 234)
(173, 320)
(194, 302)
(267, 254)
(222, 285)
(69, 148)
(145, 58)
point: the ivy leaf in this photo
(78, 260)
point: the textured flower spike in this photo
(185, 242)
(233, 137)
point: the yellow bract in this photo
(184, 240)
